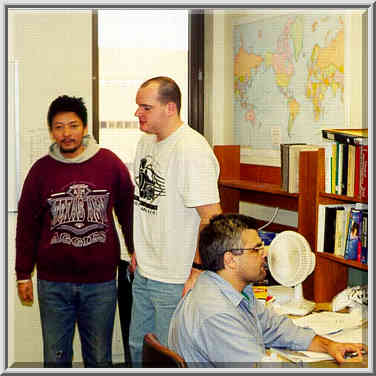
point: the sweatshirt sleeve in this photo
(124, 205)
(29, 223)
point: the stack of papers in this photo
(330, 322)
(340, 327)
(301, 356)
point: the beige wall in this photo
(53, 50)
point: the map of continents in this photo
(288, 74)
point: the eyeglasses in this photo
(239, 251)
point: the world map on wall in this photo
(288, 75)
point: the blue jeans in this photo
(90, 305)
(152, 308)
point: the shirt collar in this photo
(233, 295)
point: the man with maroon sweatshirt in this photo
(65, 227)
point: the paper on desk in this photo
(302, 356)
(330, 322)
(355, 335)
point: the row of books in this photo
(290, 154)
(346, 162)
(343, 231)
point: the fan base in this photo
(298, 307)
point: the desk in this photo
(326, 306)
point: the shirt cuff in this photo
(197, 266)
(23, 280)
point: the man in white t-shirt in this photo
(176, 175)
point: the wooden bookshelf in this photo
(341, 198)
(341, 260)
(262, 185)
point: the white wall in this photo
(53, 49)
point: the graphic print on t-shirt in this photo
(77, 212)
(151, 185)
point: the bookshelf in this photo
(261, 185)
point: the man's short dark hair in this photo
(222, 233)
(168, 90)
(65, 103)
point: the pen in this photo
(335, 332)
(353, 354)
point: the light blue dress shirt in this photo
(216, 326)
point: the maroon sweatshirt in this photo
(65, 223)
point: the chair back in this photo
(155, 355)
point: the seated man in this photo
(219, 323)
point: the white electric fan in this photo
(290, 262)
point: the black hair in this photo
(64, 103)
(168, 90)
(223, 232)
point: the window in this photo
(131, 46)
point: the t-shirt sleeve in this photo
(198, 172)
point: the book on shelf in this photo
(347, 136)
(294, 157)
(357, 171)
(338, 190)
(353, 247)
(363, 172)
(285, 153)
(333, 171)
(351, 171)
(346, 170)
(364, 238)
(326, 229)
(339, 238)
(328, 146)
(345, 160)
(330, 229)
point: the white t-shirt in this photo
(172, 178)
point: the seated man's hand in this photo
(339, 351)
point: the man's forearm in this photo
(197, 258)
(206, 213)
(319, 344)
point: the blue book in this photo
(364, 238)
(353, 243)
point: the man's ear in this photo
(171, 108)
(229, 260)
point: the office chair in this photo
(155, 355)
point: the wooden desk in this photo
(327, 306)
(324, 364)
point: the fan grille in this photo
(290, 258)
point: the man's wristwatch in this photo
(197, 266)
